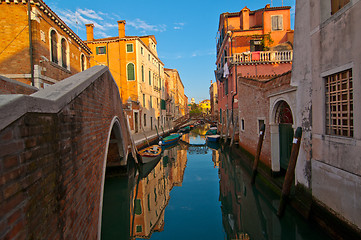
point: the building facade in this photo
(327, 74)
(254, 44)
(176, 93)
(213, 94)
(138, 72)
(50, 52)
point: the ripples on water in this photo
(196, 191)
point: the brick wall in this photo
(15, 36)
(51, 167)
(253, 104)
(8, 86)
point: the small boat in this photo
(213, 138)
(185, 129)
(150, 153)
(211, 131)
(174, 137)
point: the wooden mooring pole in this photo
(290, 172)
(258, 154)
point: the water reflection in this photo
(250, 212)
(152, 192)
(203, 207)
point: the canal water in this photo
(196, 191)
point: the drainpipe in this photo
(30, 45)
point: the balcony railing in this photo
(262, 57)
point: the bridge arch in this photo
(115, 155)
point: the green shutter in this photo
(137, 207)
(105, 50)
(97, 50)
(130, 70)
(162, 104)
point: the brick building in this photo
(54, 52)
(267, 104)
(252, 44)
(138, 72)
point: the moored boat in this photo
(174, 137)
(150, 153)
(213, 138)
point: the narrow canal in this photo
(196, 191)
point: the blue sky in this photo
(185, 30)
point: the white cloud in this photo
(90, 13)
(178, 26)
(145, 27)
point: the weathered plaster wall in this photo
(301, 77)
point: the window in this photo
(339, 104)
(101, 50)
(54, 46)
(277, 22)
(148, 57)
(145, 120)
(150, 102)
(150, 78)
(63, 53)
(130, 47)
(337, 5)
(142, 50)
(139, 228)
(130, 72)
(242, 124)
(143, 100)
(82, 62)
(143, 74)
(137, 207)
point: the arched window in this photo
(82, 62)
(54, 46)
(63, 53)
(130, 72)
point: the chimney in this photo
(89, 32)
(245, 18)
(121, 28)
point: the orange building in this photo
(138, 72)
(255, 44)
(48, 53)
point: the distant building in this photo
(205, 105)
(193, 101)
(176, 90)
(213, 93)
(57, 52)
(138, 72)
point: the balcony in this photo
(262, 57)
(157, 89)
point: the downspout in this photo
(30, 45)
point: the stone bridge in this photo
(194, 117)
(54, 148)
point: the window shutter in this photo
(105, 50)
(97, 50)
(280, 23)
(131, 74)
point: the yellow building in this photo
(176, 91)
(138, 72)
(205, 105)
(50, 52)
